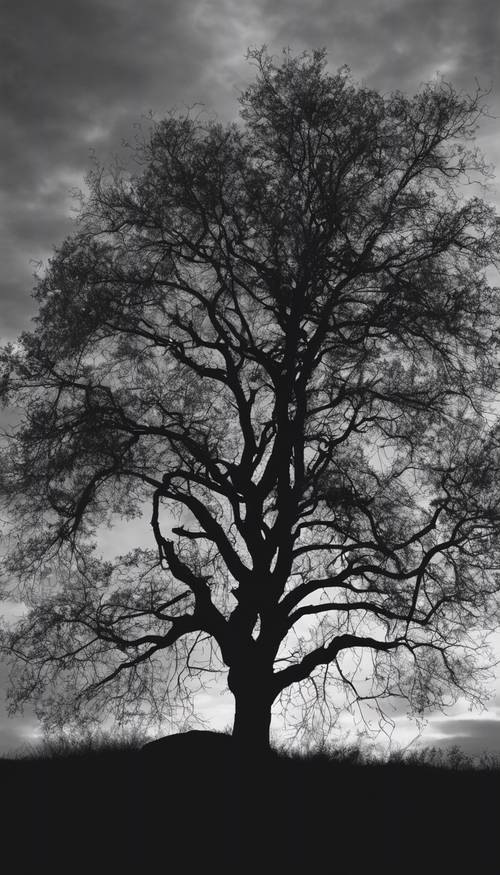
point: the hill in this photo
(121, 810)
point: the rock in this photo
(195, 743)
(195, 763)
(203, 754)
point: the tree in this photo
(279, 333)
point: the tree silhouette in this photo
(280, 334)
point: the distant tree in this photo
(281, 334)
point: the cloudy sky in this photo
(76, 75)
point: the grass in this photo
(99, 806)
(90, 744)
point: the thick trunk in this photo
(252, 715)
(247, 785)
(252, 721)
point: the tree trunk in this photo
(252, 715)
(249, 793)
(252, 721)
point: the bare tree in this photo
(281, 334)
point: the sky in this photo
(76, 77)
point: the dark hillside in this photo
(124, 811)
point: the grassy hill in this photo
(111, 809)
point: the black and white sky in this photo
(76, 75)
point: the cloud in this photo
(76, 76)
(394, 43)
(473, 736)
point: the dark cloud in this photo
(72, 71)
(76, 76)
(474, 737)
(395, 43)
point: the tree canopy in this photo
(280, 335)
